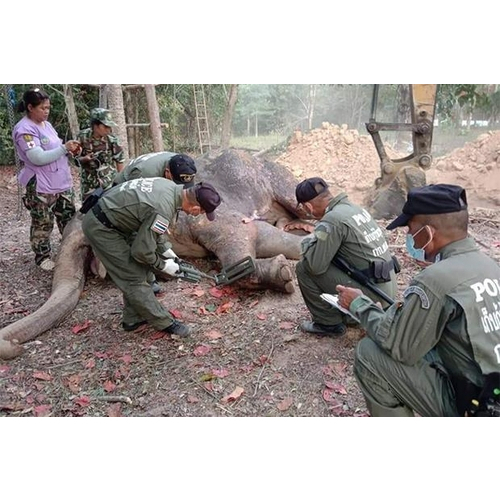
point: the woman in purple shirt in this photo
(46, 173)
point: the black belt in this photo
(101, 217)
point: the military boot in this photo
(177, 328)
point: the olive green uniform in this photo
(149, 165)
(140, 212)
(350, 232)
(448, 325)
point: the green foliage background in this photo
(265, 113)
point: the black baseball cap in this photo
(208, 198)
(431, 200)
(310, 188)
(183, 170)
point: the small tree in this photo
(228, 116)
(115, 105)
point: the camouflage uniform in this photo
(48, 182)
(43, 209)
(101, 170)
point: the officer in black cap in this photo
(433, 199)
(431, 352)
(182, 170)
(176, 167)
(345, 230)
(179, 168)
(124, 229)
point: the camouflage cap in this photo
(102, 115)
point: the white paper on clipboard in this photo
(334, 301)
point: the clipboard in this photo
(334, 301)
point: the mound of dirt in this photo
(339, 155)
(476, 167)
(349, 161)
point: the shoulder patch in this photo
(322, 230)
(30, 143)
(421, 294)
(323, 227)
(160, 225)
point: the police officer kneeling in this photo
(435, 352)
(347, 231)
(124, 229)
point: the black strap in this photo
(101, 217)
(360, 278)
(91, 200)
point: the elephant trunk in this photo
(69, 279)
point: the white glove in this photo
(171, 268)
(170, 254)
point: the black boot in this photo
(177, 328)
(323, 330)
(131, 327)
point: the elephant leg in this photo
(272, 241)
(275, 273)
(231, 240)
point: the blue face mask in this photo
(416, 253)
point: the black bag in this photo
(380, 271)
(473, 401)
(488, 402)
(91, 200)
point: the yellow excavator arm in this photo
(398, 176)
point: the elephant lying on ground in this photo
(258, 201)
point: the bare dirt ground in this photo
(246, 356)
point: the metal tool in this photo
(227, 276)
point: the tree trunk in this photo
(71, 110)
(128, 99)
(154, 117)
(311, 105)
(228, 116)
(103, 95)
(115, 105)
(132, 95)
